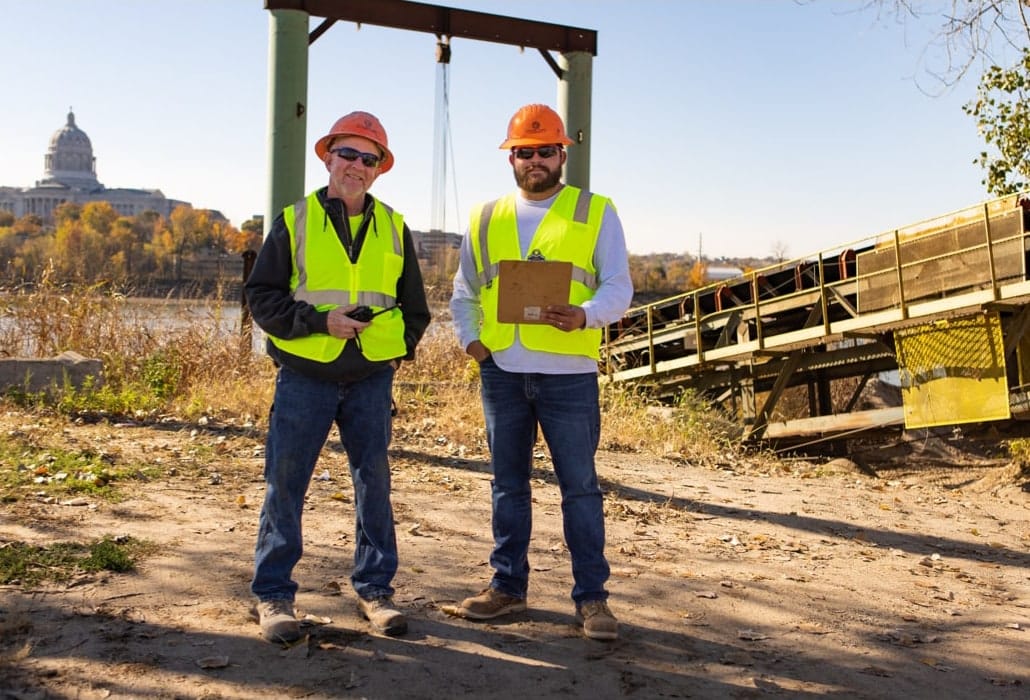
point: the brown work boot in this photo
(383, 615)
(491, 603)
(278, 623)
(597, 620)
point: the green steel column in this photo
(574, 93)
(287, 108)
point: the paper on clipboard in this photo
(529, 286)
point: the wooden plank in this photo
(839, 423)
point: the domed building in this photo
(70, 175)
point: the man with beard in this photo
(542, 373)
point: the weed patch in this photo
(26, 465)
(29, 565)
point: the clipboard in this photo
(528, 286)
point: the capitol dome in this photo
(69, 160)
(71, 176)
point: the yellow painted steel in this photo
(953, 371)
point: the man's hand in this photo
(341, 325)
(565, 317)
(478, 351)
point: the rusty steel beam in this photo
(446, 22)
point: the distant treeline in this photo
(90, 244)
(190, 253)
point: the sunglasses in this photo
(369, 160)
(527, 152)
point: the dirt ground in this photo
(907, 577)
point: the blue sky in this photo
(736, 126)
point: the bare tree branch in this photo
(971, 32)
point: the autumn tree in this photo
(698, 275)
(28, 225)
(677, 273)
(252, 231)
(9, 245)
(78, 251)
(129, 253)
(99, 217)
(186, 230)
(31, 257)
(65, 212)
(23, 246)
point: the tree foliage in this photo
(91, 243)
(1002, 115)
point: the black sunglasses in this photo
(369, 160)
(527, 152)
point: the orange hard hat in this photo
(358, 124)
(535, 125)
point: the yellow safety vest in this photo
(567, 232)
(324, 276)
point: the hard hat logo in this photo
(536, 125)
(358, 124)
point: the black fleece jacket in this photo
(275, 310)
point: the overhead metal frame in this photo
(445, 21)
(288, 61)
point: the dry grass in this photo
(189, 363)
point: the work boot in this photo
(491, 603)
(383, 615)
(597, 620)
(278, 623)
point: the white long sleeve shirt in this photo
(611, 300)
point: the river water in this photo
(174, 314)
(153, 314)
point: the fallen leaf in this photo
(213, 662)
(812, 628)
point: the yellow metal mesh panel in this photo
(953, 371)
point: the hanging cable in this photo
(439, 189)
(454, 164)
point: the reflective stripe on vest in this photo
(324, 277)
(567, 232)
(334, 297)
(490, 268)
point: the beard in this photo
(533, 185)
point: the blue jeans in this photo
(303, 412)
(567, 410)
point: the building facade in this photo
(430, 244)
(70, 175)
